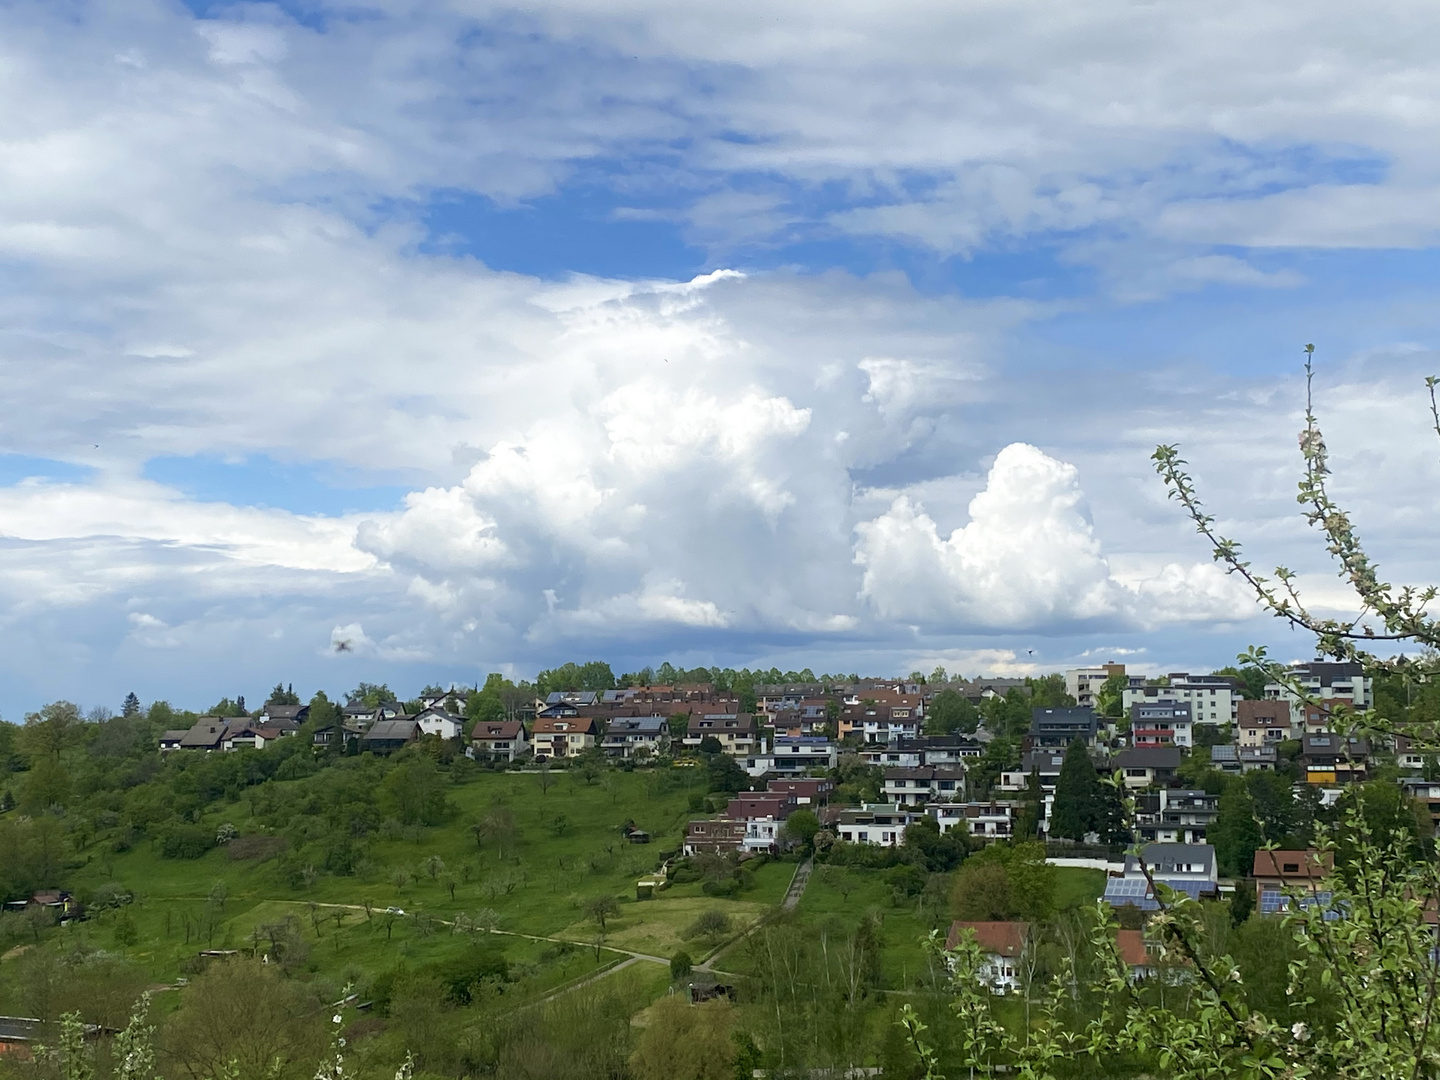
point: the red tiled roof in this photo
(1131, 944)
(999, 938)
(1271, 864)
(504, 729)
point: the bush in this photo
(680, 965)
(479, 963)
(709, 924)
(723, 887)
(255, 848)
(187, 842)
(112, 894)
(683, 873)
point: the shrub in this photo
(680, 965)
(255, 848)
(709, 924)
(187, 842)
(723, 887)
(683, 873)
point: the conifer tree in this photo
(1076, 795)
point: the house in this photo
(991, 820)
(1328, 758)
(1057, 728)
(558, 737)
(341, 735)
(876, 823)
(627, 736)
(1045, 762)
(811, 717)
(907, 753)
(59, 901)
(1083, 684)
(1243, 759)
(714, 836)
(978, 690)
(903, 754)
(882, 722)
(1427, 794)
(764, 814)
(916, 787)
(1187, 868)
(571, 698)
(253, 735)
(1161, 723)
(806, 791)
(387, 736)
(1002, 947)
(780, 697)
(452, 700)
(1173, 816)
(946, 749)
(286, 715)
(1263, 723)
(792, 756)
(207, 733)
(984, 821)
(1213, 699)
(1282, 875)
(737, 732)
(172, 740)
(1130, 944)
(499, 740)
(436, 721)
(1323, 681)
(358, 714)
(1409, 756)
(1148, 766)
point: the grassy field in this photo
(567, 849)
(411, 908)
(1076, 887)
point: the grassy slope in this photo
(549, 875)
(1075, 887)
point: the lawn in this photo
(1077, 887)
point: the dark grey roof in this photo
(1149, 757)
(1163, 858)
(637, 725)
(391, 731)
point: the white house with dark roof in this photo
(435, 721)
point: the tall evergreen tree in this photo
(1027, 827)
(1236, 833)
(1076, 795)
(131, 707)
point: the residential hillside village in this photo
(992, 759)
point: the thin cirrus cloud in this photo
(867, 392)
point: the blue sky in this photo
(489, 336)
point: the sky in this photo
(483, 336)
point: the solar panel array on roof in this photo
(1120, 891)
(1274, 902)
(1135, 891)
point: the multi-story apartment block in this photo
(1171, 816)
(1323, 681)
(1057, 728)
(1084, 683)
(1161, 723)
(1213, 699)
